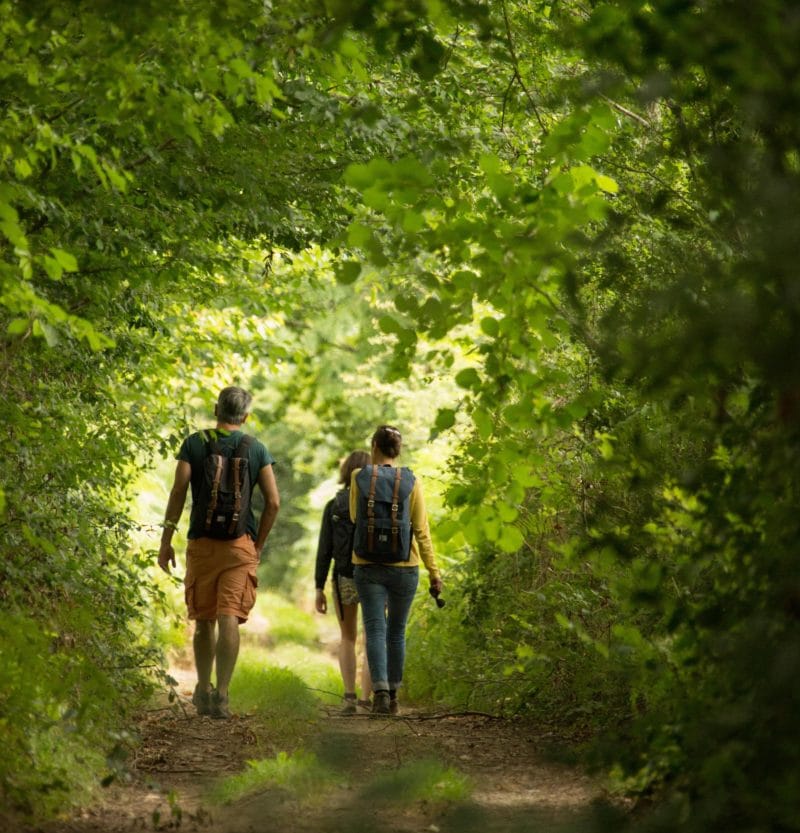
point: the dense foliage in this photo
(570, 226)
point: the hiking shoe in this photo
(381, 703)
(219, 706)
(349, 706)
(366, 705)
(202, 700)
(394, 707)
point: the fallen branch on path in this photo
(445, 715)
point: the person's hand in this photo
(321, 602)
(436, 585)
(166, 556)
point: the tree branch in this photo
(505, 101)
(625, 111)
(147, 157)
(517, 74)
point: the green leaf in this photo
(525, 476)
(490, 326)
(445, 418)
(564, 622)
(607, 184)
(483, 422)
(490, 164)
(18, 326)
(359, 235)
(22, 168)
(511, 539)
(508, 513)
(390, 325)
(241, 68)
(50, 334)
(66, 260)
(347, 271)
(412, 222)
(468, 378)
(52, 267)
(447, 528)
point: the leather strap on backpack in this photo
(237, 495)
(238, 456)
(212, 504)
(395, 496)
(371, 509)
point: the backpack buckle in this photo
(395, 507)
(370, 503)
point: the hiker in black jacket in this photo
(336, 544)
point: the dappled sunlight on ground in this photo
(419, 771)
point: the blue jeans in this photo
(386, 594)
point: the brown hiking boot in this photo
(202, 700)
(349, 706)
(380, 703)
(219, 706)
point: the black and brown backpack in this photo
(224, 500)
(383, 516)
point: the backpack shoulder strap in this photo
(243, 448)
(395, 506)
(373, 483)
(362, 478)
(211, 441)
(408, 481)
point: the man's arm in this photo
(177, 499)
(272, 503)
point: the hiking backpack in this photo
(383, 517)
(224, 500)
(343, 530)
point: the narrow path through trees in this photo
(383, 763)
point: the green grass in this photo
(300, 773)
(286, 622)
(315, 670)
(426, 779)
(274, 694)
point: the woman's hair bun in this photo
(388, 440)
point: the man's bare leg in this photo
(227, 651)
(204, 644)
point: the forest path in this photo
(401, 774)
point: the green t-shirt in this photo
(193, 452)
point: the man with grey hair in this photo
(220, 570)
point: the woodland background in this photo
(555, 242)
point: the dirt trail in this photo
(514, 787)
(513, 782)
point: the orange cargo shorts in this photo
(221, 577)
